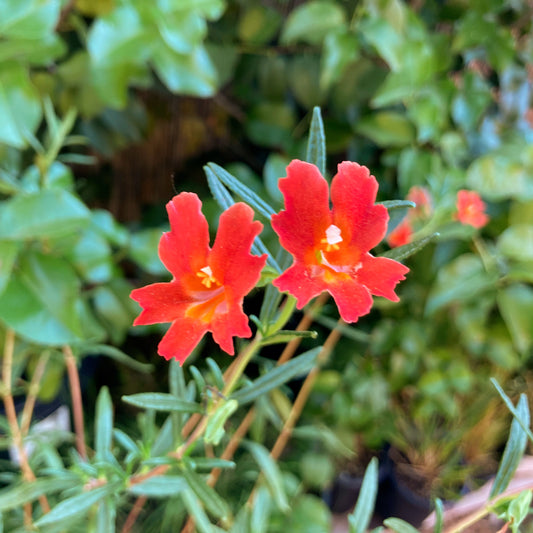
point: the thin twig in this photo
(11, 415)
(77, 403)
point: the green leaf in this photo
(397, 211)
(274, 169)
(310, 514)
(516, 306)
(386, 128)
(214, 504)
(194, 508)
(249, 196)
(20, 108)
(91, 255)
(117, 355)
(216, 421)
(161, 402)
(399, 526)
(106, 517)
(311, 22)
(364, 509)
(403, 252)
(277, 376)
(270, 123)
(519, 509)
(514, 449)
(15, 496)
(261, 510)
(284, 336)
(8, 254)
(340, 49)
(461, 280)
(143, 250)
(439, 516)
(271, 471)
(76, 506)
(192, 73)
(159, 487)
(47, 214)
(316, 145)
(103, 424)
(28, 19)
(207, 464)
(258, 24)
(516, 242)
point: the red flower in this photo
(471, 209)
(401, 234)
(422, 198)
(208, 284)
(330, 246)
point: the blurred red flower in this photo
(471, 209)
(331, 247)
(424, 203)
(401, 234)
(209, 284)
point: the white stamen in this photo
(333, 235)
(207, 271)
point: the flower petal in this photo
(353, 193)
(306, 217)
(381, 275)
(185, 247)
(298, 281)
(181, 339)
(224, 327)
(352, 298)
(230, 259)
(161, 302)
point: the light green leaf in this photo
(48, 213)
(386, 128)
(258, 24)
(207, 464)
(28, 19)
(340, 49)
(103, 424)
(160, 401)
(76, 506)
(261, 509)
(15, 496)
(310, 22)
(274, 169)
(91, 255)
(364, 509)
(272, 474)
(316, 145)
(8, 254)
(159, 487)
(284, 336)
(143, 250)
(194, 508)
(277, 376)
(399, 526)
(20, 108)
(215, 424)
(106, 517)
(516, 242)
(514, 450)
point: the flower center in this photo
(206, 276)
(332, 239)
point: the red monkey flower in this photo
(422, 198)
(331, 246)
(401, 234)
(208, 284)
(471, 209)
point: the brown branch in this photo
(77, 402)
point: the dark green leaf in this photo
(143, 250)
(364, 509)
(316, 145)
(284, 336)
(514, 450)
(116, 355)
(161, 402)
(403, 252)
(207, 464)
(277, 376)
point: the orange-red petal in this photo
(181, 339)
(301, 283)
(233, 323)
(352, 298)
(381, 275)
(161, 302)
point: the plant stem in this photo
(11, 415)
(33, 390)
(77, 403)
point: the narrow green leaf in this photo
(106, 517)
(219, 192)
(177, 387)
(215, 424)
(117, 355)
(399, 526)
(103, 424)
(261, 510)
(511, 407)
(519, 509)
(272, 473)
(242, 191)
(396, 204)
(159, 487)
(277, 376)
(201, 385)
(439, 516)
(161, 402)
(126, 441)
(16, 496)
(403, 252)
(214, 504)
(72, 508)
(195, 509)
(207, 463)
(216, 373)
(284, 336)
(514, 449)
(316, 145)
(362, 514)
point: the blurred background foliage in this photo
(108, 106)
